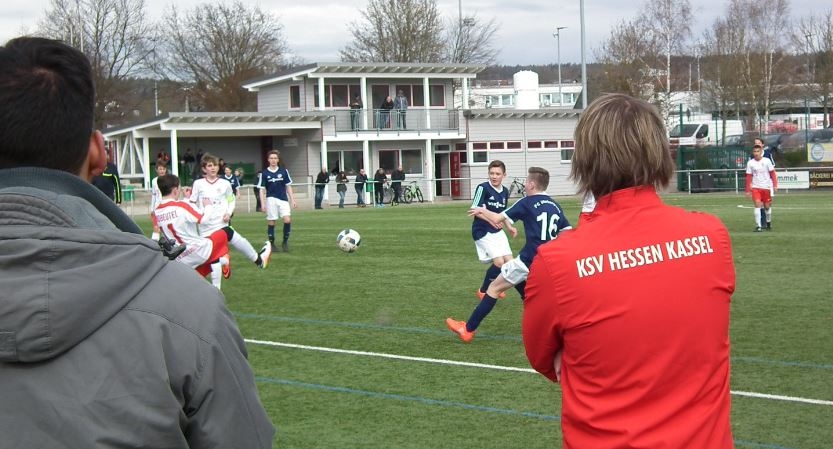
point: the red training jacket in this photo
(637, 298)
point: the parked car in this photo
(798, 141)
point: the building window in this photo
(415, 94)
(535, 145)
(294, 97)
(513, 145)
(411, 161)
(437, 92)
(567, 148)
(336, 95)
(348, 161)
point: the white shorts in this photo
(514, 271)
(276, 208)
(492, 245)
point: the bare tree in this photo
(638, 52)
(397, 31)
(217, 46)
(469, 41)
(667, 25)
(115, 37)
(625, 56)
(814, 39)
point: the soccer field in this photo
(351, 350)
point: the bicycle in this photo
(517, 188)
(412, 192)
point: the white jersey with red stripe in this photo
(180, 221)
(759, 169)
(221, 195)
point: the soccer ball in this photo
(348, 240)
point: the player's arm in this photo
(290, 195)
(774, 177)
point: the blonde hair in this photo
(620, 143)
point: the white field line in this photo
(750, 394)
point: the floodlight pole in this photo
(557, 35)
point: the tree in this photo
(115, 37)
(815, 40)
(667, 24)
(469, 41)
(625, 56)
(638, 53)
(216, 47)
(397, 31)
(743, 65)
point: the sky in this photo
(315, 30)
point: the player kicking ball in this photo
(761, 183)
(179, 220)
(219, 192)
(543, 219)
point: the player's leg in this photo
(271, 217)
(285, 213)
(261, 259)
(756, 198)
(766, 199)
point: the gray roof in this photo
(370, 70)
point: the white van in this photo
(703, 133)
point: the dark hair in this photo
(540, 176)
(166, 183)
(47, 98)
(499, 164)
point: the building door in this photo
(442, 171)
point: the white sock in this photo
(216, 275)
(154, 236)
(758, 217)
(769, 215)
(243, 245)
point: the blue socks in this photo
(480, 312)
(491, 273)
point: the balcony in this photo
(386, 122)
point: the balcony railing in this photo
(386, 121)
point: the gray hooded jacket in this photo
(103, 341)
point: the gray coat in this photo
(103, 341)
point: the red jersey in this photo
(637, 298)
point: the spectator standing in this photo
(361, 179)
(256, 191)
(355, 112)
(188, 161)
(146, 357)
(400, 104)
(321, 182)
(397, 176)
(630, 311)
(379, 181)
(384, 112)
(108, 181)
(341, 188)
(233, 180)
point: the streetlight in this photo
(557, 36)
(583, 62)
